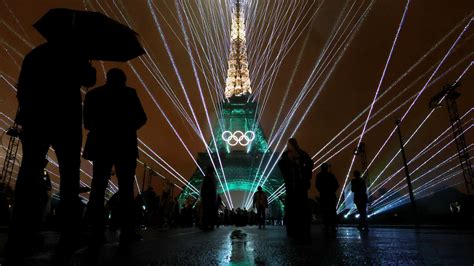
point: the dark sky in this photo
(350, 87)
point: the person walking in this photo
(327, 185)
(50, 114)
(209, 200)
(359, 188)
(260, 202)
(296, 167)
(113, 114)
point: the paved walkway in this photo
(251, 246)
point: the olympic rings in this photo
(238, 137)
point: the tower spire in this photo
(238, 80)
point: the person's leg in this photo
(301, 216)
(125, 170)
(205, 214)
(95, 207)
(26, 216)
(67, 144)
(333, 214)
(289, 214)
(359, 210)
(259, 217)
(362, 208)
(325, 213)
(263, 217)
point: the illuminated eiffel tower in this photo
(240, 140)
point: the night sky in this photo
(346, 88)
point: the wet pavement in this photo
(252, 246)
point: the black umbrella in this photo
(98, 36)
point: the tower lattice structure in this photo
(450, 94)
(241, 145)
(238, 79)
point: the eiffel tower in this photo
(241, 143)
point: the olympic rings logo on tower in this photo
(238, 137)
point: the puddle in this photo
(242, 250)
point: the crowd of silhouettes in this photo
(51, 114)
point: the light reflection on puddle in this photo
(239, 250)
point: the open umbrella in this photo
(98, 36)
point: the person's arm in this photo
(88, 75)
(283, 165)
(88, 112)
(318, 183)
(140, 116)
(255, 200)
(24, 88)
(308, 163)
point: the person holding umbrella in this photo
(50, 114)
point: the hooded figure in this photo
(327, 185)
(296, 167)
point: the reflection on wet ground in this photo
(242, 252)
(252, 246)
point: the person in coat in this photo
(113, 113)
(327, 185)
(296, 167)
(359, 188)
(260, 202)
(209, 200)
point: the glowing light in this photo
(311, 81)
(450, 50)
(375, 96)
(325, 157)
(238, 77)
(238, 137)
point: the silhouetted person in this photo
(260, 202)
(209, 199)
(327, 185)
(50, 113)
(113, 114)
(296, 167)
(359, 188)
